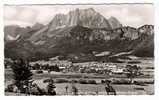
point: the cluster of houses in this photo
(98, 67)
(84, 67)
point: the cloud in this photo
(19, 15)
(131, 15)
(16, 22)
(9, 12)
(27, 15)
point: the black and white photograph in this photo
(79, 49)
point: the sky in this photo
(134, 15)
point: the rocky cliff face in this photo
(114, 23)
(84, 17)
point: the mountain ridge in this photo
(85, 41)
(74, 40)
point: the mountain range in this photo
(79, 35)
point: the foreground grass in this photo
(90, 89)
(86, 89)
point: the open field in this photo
(71, 75)
(90, 89)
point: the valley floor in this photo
(94, 89)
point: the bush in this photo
(6, 90)
(102, 81)
(139, 89)
(143, 82)
(149, 67)
(122, 81)
(39, 71)
(134, 62)
(149, 82)
(46, 80)
(92, 82)
(62, 81)
(139, 83)
(81, 81)
(75, 81)
(9, 88)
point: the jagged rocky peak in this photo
(84, 17)
(130, 32)
(114, 22)
(146, 29)
(89, 11)
(86, 12)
